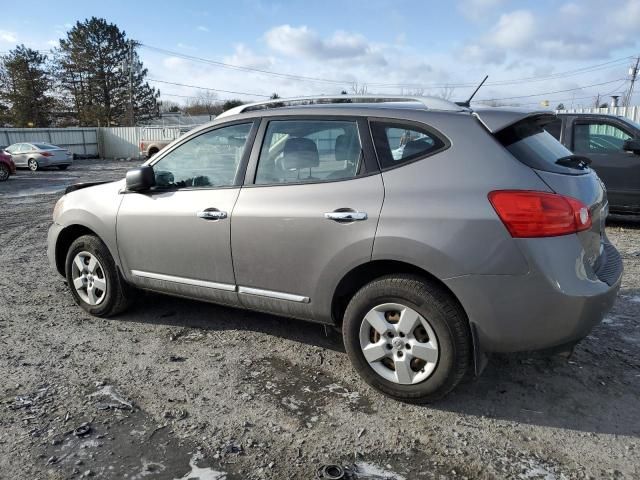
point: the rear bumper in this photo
(556, 303)
(51, 162)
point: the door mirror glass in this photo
(632, 145)
(140, 179)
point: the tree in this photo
(25, 88)
(228, 104)
(169, 106)
(205, 103)
(102, 77)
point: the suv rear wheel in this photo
(4, 173)
(95, 282)
(407, 338)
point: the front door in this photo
(176, 237)
(602, 141)
(307, 215)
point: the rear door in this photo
(17, 155)
(602, 141)
(306, 215)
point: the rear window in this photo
(44, 146)
(530, 143)
(554, 128)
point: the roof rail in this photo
(433, 103)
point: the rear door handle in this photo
(211, 214)
(346, 216)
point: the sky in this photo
(563, 51)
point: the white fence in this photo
(632, 113)
(111, 142)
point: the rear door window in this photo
(300, 151)
(397, 144)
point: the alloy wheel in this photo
(399, 344)
(4, 173)
(89, 279)
(33, 165)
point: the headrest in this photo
(300, 153)
(347, 148)
(422, 145)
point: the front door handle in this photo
(212, 214)
(346, 216)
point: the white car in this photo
(38, 155)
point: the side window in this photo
(397, 144)
(554, 128)
(598, 137)
(208, 160)
(297, 151)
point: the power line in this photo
(155, 80)
(551, 93)
(558, 75)
(579, 71)
(244, 68)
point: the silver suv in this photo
(429, 233)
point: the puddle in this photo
(198, 473)
(370, 471)
(304, 391)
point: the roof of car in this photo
(348, 101)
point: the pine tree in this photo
(25, 88)
(102, 76)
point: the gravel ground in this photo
(182, 389)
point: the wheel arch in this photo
(359, 276)
(65, 238)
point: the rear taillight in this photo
(529, 214)
(46, 154)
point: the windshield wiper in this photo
(574, 161)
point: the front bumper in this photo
(556, 303)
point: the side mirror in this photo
(632, 145)
(140, 179)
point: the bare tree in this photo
(359, 89)
(205, 103)
(446, 92)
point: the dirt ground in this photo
(179, 389)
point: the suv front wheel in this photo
(407, 337)
(94, 279)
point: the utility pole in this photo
(131, 119)
(633, 71)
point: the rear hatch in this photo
(565, 174)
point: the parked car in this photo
(155, 139)
(481, 236)
(7, 167)
(38, 155)
(612, 143)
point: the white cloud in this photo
(513, 30)
(302, 42)
(175, 63)
(9, 37)
(244, 57)
(202, 28)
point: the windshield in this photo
(635, 125)
(530, 143)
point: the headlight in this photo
(58, 208)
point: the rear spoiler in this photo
(496, 119)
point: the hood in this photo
(496, 119)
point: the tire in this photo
(4, 173)
(444, 339)
(32, 163)
(63, 167)
(116, 297)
